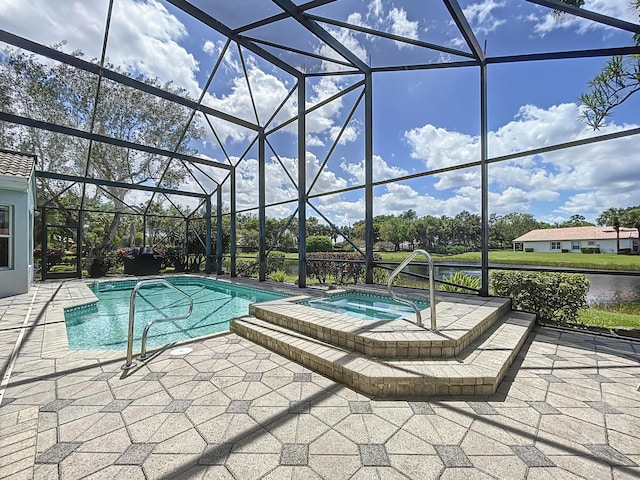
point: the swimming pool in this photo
(103, 325)
(365, 306)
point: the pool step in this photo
(477, 370)
(459, 323)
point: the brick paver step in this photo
(477, 370)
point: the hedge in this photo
(321, 265)
(554, 297)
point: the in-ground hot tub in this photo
(365, 306)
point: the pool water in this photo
(365, 306)
(104, 324)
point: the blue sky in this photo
(423, 120)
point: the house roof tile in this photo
(16, 164)
(576, 233)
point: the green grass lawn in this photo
(597, 261)
(609, 316)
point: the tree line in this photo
(463, 232)
(444, 234)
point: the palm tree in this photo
(631, 218)
(611, 217)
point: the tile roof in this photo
(16, 164)
(576, 233)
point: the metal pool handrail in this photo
(432, 289)
(132, 307)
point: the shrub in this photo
(175, 257)
(63, 268)
(278, 276)
(553, 297)
(249, 267)
(528, 249)
(275, 262)
(341, 266)
(590, 249)
(459, 249)
(462, 279)
(54, 256)
(319, 243)
(99, 266)
(380, 275)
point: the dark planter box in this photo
(145, 261)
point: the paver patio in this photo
(230, 409)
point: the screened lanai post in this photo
(368, 176)
(79, 242)
(144, 229)
(219, 230)
(185, 250)
(484, 181)
(207, 248)
(45, 243)
(302, 184)
(262, 259)
(232, 224)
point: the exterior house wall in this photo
(606, 246)
(20, 276)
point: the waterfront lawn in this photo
(596, 261)
(609, 316)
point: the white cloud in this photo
(581, 180)
(375, 9)
(381, 170)
(269, 89)
(355, 18)
(326, 181)
(314, 141)
(481, 16)
(346, 38)
(457, 42)
(211, 48)
(591, 205)
(401, 26)
(601, 169)
(439, 148)
(350, 134)
(142, 36)
(621, 9)
(278, 185)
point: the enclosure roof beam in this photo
(111, 183)
(52, 127)
(208, 20)
(465, 29)
(280, 16)
(94, 68)
(302, 52)
(589, 15)
(424, 66)
(391, 36)
(598, 52)
(322, 34)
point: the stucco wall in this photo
(606, 246)
(20, 277)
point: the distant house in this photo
(577, 240)
(17, 206)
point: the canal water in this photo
(606, 289)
